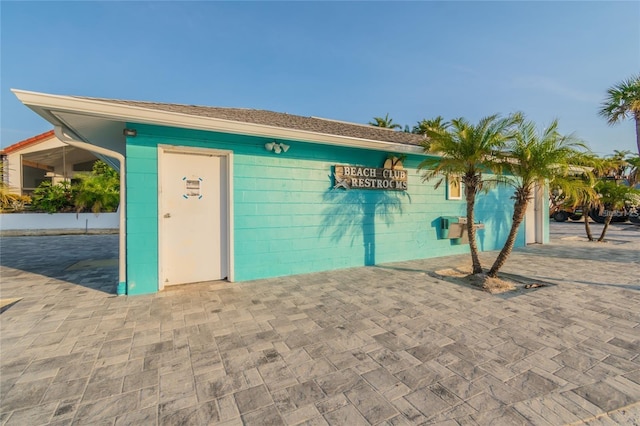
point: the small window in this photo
(454, 188)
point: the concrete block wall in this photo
(288, 219)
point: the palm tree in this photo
(613, 196)
(579, 187)
(385, 122)
(588, 196)
(624, 165)
(466, 150)
(534, 158)
(433, 124)
(616, 165)
(633, 172)
(623, 101)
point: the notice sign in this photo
(193, 188)
(358, 177)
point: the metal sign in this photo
(359, 177)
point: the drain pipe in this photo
(122, 261)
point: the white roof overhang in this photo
(100, 122)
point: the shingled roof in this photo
(279, 119)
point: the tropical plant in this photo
(100, 168)
(11, 201)
(100, 191)
(623, 166)
(578, 188)
(466, 150)
(97, 191)
(588, 198)
(385, 122)
(614, 166)
(53, 198)
(613, 197)
(623, 101)
(533, 158)
(437, 123)
(633, 171)
(6, 197)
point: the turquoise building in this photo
(239, 194)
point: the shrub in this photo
(10, 201)
(53, 198)
(97, 191)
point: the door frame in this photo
(162, 167)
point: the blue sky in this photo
(349, 61)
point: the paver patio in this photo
(376, 345)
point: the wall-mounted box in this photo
(455, 228)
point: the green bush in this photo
(97, 191)
(53, 198)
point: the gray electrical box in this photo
(455, 228)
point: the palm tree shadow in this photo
(6, 304)
(494, 210)
(353, 213)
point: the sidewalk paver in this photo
(391, 344)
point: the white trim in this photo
(162, 148)
(534, 216)
(47, 105)
(230, 219)
(539, 210)
(159, 232)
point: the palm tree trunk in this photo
(473, 244)
(587, 228)
(518, 216)
(607, 221)
(637, 117)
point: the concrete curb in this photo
(50, 232)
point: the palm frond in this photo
(622, 100)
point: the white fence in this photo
(81, 222)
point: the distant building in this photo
(26, 164)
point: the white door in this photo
(193, 217)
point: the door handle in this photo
(167, 215)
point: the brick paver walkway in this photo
(377, 345)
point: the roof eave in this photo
(26, 143)
(46, 105)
